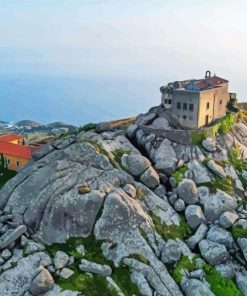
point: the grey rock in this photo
(89, 266)
(6, 254)
(150, 178)
(5, 218)
(160, 191)
(197, 274)
(160, 123)
(241, 280)
(194, 287)
(179, 205)
(11, 235)
(130, 190)
(227, 219)
(113, 285)
(213, 253)
(139, 279)
(145, 119)
(219, 235)
(167, 166)
(47, 149)
(243, 245)
(42, 283)
(209, 144)
(173, 182)
(226, 270)
(60, 260)
(131, 131)
(103, 126)
(171, 253)
(172, 198)
(194, 216)
(66, 273)
(187, 191)
(217, 169)
(215, 204)
(32, 247)
(135, 164)
(24, 240)
(198, 236)
(1, 262)
(199, 173)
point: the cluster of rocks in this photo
(98, 182)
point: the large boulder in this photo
(214, 253)
(42, 283)
(215, 204)
(187, 191)
(200, 173)
(11, 236)
(217, 169)
(198, 236)
(241, 280)
(60, 260)
(242, 241)
(194, 216)
(209, 144)
(150, 178)
(194, 287)
(227, 219)
(219, 235)
(135, 164)
(89, 266)
(171, 252)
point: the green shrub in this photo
(95, 284)
(6, 176)
(118, 153)
(178, 175)
(184, 263)
(219, 284)
(238, 231)
(225, 185)
(226, 124)
(197, 137)
(172, 231)
(86, 127)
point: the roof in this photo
(205, 83)
(22, 151)
(10, 137)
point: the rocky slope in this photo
(114, 212)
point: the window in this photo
(165, 101)
(207, 105)
(169, 101)
(184, 106)
(220, 102)
(184, 117)
(8, 161)
(17, 164)
(191, 107)
(179, 105)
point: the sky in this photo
(113, 54)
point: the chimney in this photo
(208, 74)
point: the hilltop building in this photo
(196, 102)
(15, 151)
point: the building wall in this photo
(13, 159)
(186, 118)
(217, 100)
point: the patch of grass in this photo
(197, 137)
(178, 175)
(139, 194)
(238, 231)
(118, 153)
(225, 185)
(181, 231)
(7, 175)
(184, 263)
(92, 285)
(219, 284)
(226, 124)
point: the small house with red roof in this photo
(195, 103)
(16, 153)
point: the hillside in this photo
(30, 123)
(147, 210)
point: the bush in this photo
(118, 153)
(238, 231)
(172, 231)
(184, 263)
(219, 284)
(86, 127)
(178, 175)
(6, 176)
(226, 125)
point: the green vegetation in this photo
(139, 194)
(197, 137)
(118, 153)
(140, 258)
(238, 164)
(92, 284)
(225, 185)
(178, 175)
(219, 284)
(172, 231)
(226, 124)
(238, 231)
(184, 263)
(6, 176)
(86, 127)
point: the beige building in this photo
(196, 103)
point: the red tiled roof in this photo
(10, 137)
(22, 151)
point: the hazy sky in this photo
(156, 41)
